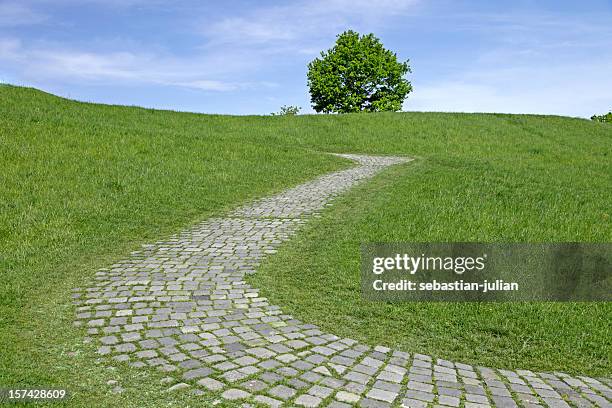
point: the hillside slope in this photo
(83, 184)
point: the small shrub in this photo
(287, 110)
(607, 118)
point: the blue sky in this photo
(250, 57)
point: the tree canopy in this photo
(358, 74)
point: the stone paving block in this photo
(269, 364)
(387, 386)
(309, 401)
(390, 376)
(178, 387)
(189, 364)
(320, 391)
(357, 377)
(528, 398)
(286, 358)
(449, 401)
(348, 397)
(480, 399)
(109, 340)
(450, 391)
(311, 376)
(371, 362)
(235, 394)
(302, 365)
(298, 384)
(500, 392)
(233, 376)
(254, 385)
(287, 371)
(370, 403)
(419, 386)
(382, 395)
(211, 384)
(337, 404)
(413, 403)
(555, 403)
(423, 378)
(470, 389)
(225, 366)
(420, 395)
(270, 378)
(544, 393)
(249, 370)
(362, 368)
(355, 388)
(197, 373)
(178, 357)
(598, 400)
(503, 402)
(271, 402)
(282, 392)
(475, 405)
(125, 348)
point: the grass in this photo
(82, 185)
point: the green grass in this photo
(82, 185)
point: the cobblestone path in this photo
(182, 306)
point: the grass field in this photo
(82, 185)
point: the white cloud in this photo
(87, 65)
(208, 85)
(56, 63)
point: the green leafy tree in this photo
(358, 74)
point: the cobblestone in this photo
(182, 305)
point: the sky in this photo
(250, 57)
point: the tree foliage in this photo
(358, 74)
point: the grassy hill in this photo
(83, 184)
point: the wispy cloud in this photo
(55, 62)
(302, 22)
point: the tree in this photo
(357, 74)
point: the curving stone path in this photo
(182, 306)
